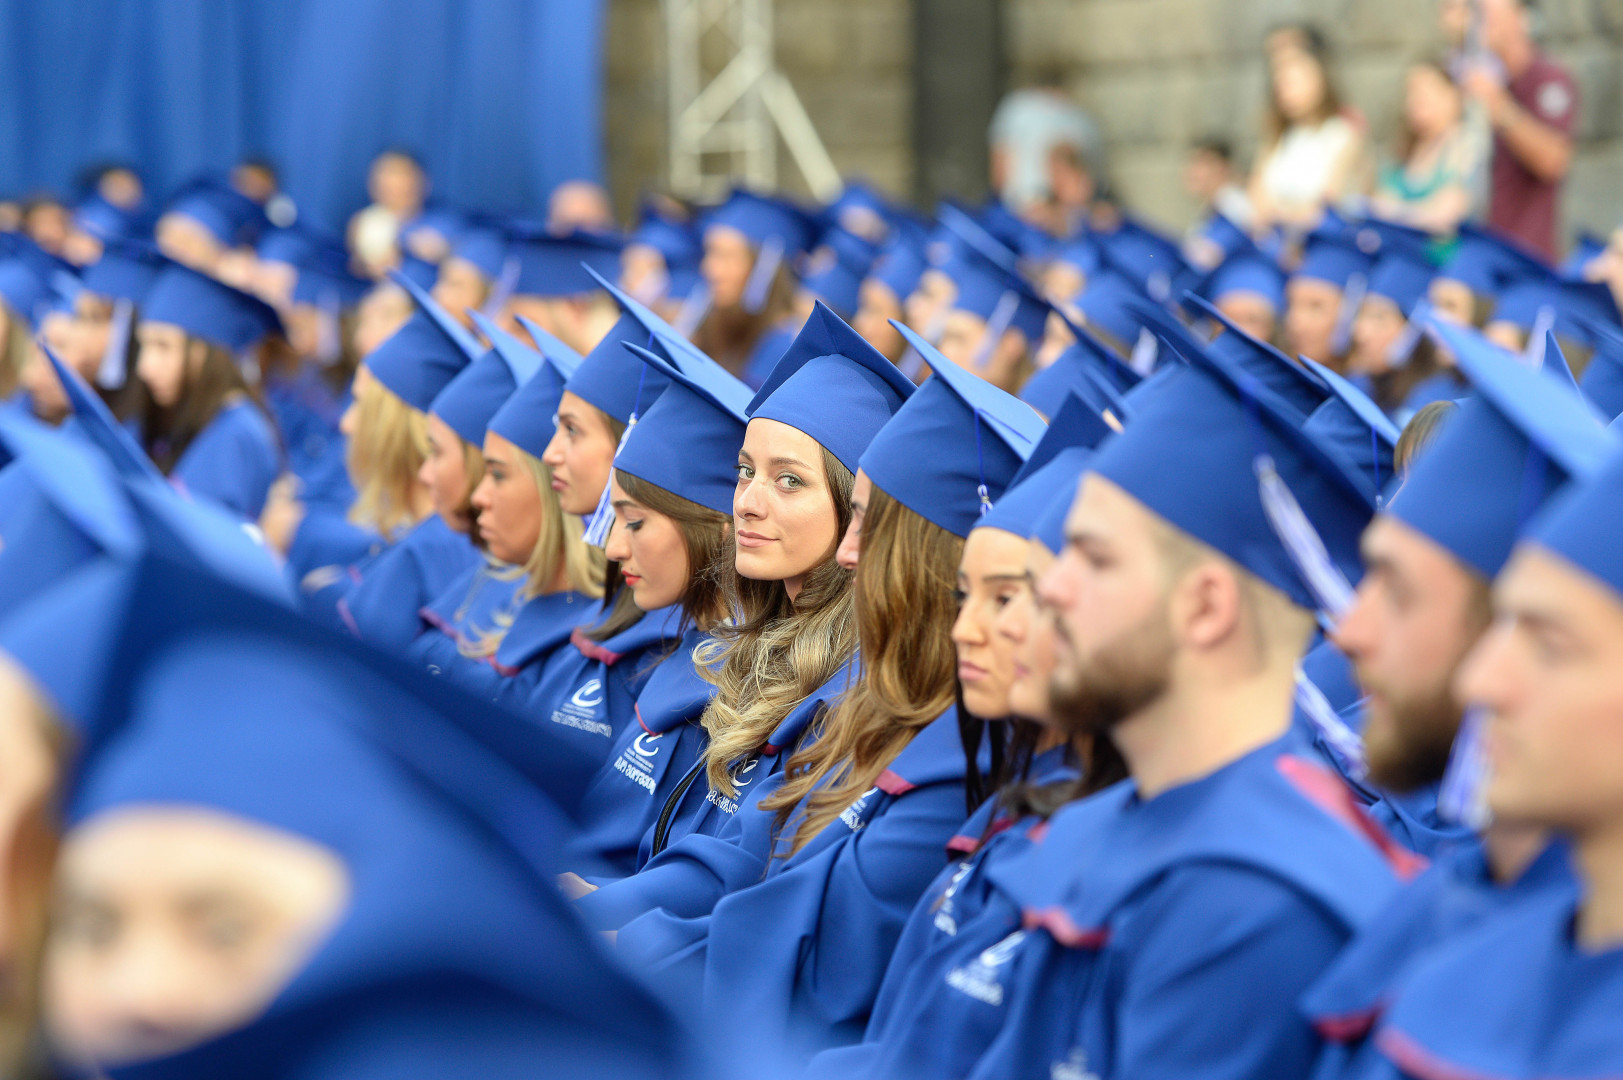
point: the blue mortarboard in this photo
(1081, 252)
(1049, 528)
(325, 281)
(208, 309)
(230, 216)
(468, 401)
(1553, 362)
(1248, 271)
(1105, 306)
(834, 386)
(1525, 301)
(1486, 261)
(1213, 454)
(526, 419)
(1378, 238)
(484, 248)
(676, 240)
(1333, 259)
(1154, 263)
(101, 219)
(1352, 423)
(550, 265)
(949, 453)
(291, 245)
(1603, 379)
(1056, 463)
(1014, 232)
(834, 271)
(25, 292)
(1514, 442)
(987, 274)
(1402, 275)
(762, 219)
(1228, 237)
(900, 264)
(126, 270)
(1581, 523)
(420, 272)
(1071, 373)
(98, 425)
(424, 355)
(1292, 384)
(706, 420)
(861, 210)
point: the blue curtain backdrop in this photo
(500, 97)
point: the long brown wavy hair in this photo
(905, 607)
(206, 389)
(776, 652)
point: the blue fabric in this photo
(1581, 524)
(706, 420)
(232, 462)
(1485, 261)
(526, 418)
(1172, 937)
(762, 218)
(1513, 996)
(550, 265)
(420, 359)
(1327, 668)
(768, 351)
(647, 762)
(208, 309)
(325, 545)
(1352, 423)
(383, 606)
(1333, 259)
(834, 271)
(1055, 467)
(1249, 272)
(1298, 387)
(474, 605)
(503, 100)
(805, 938)
(307, 410)
(1402, 275)
(1514, 443)
(468, 402)
(533, 628)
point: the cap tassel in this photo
(1401, 351)
(758, 290)
(602, 519)
(1538, 338)
(113, 372)
(1352, 298)
(1342, 740)
(980, 465)
(996, 326)
(1330, 588)
(1146, 351)
(502, 290)
(694, 309)
(1462, 798)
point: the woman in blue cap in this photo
(834, 851)
(386, 430)
(206, 431)
(1398, 363)
(884, 292)
(751, 244)
(672, 541)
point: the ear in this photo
(197, 352)
(1204, 606)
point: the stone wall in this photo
(1161, 73)
(850, 62)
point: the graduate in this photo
(790, 649)
(851, 831)
(549, 288)
(996, 320)
(1249, 288)
(1230, 859)
(1483, 264)
(26, 295)
(659, 265)
(1534, 991)
(908, 1033)
(476, 273)
(206, 430)
(672, 541)
(1421, 608)
(239, 755)
(1319, 314)
(386, 427)
(1391, 354)
(882, 296)
(751, 245)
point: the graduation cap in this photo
(292, 245)
(1379, 238)
(1402, 275)
(861, 210)
(525, 419)
(675, 239)
(951, 450)
(1055, 464)
(1153, 262)
(1581, 523)
(483, 247)
(1049, 527)
(1250, 272)
(834, 271)
(1228, 238)
(208, 309)
(1081, 252)
(1603, 379)
(1349, 421)
(95, 421)
(550, 265)
(1106, 306)
(425, 354)
(900, 264)
(420, 272)
(1079, 371)
(1213, 453)
(325, 281)
(768, 223)
(1334, 259)
(1513, 444)
(834, 386)
(229, 216)
(706, 419)
(126, 270)
(25, 292)
(1486, 261)
(469, 400)
(101, 219)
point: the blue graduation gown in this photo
(702, 855)
(325, 560)
(1328, 669)
(648, 760)
(804, 939)
(768, 351)
(383, 606)
(233, 461)
(539, 625)
(307, 410)
(931, 1016)
(1456, 894)
(586, 689)
(1171, 938)
(1514, 997)
(481, 599)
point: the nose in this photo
(967, 630)
(618, 547)
(1054, 586)
(554, 453)
(1488, 673)
(850, 549)
(749, 502)
(480, 499)
(1351, 634)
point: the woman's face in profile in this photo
(174, 924)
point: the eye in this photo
(790, 481)
(224, 931)
(959, 597)
(634, 526)
(745, 472)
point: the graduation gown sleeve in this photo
(232, 462)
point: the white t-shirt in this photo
(1302, 166)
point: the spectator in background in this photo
(579, 204)
(1313, 154)
(1532, 104)
(256, 177)
(1429, 183)
(47, 222)
(1026, 129)
(1212, 181)
(398, 187)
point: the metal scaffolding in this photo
(729, 104)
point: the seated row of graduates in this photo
(828, 597)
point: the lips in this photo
(559, 483)
(753, 540)
(631, 580)
(968, 672)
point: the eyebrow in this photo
(626, 504)
(495, 461)
(787, 461)
(1021, 577)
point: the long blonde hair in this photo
(384, 455)
(558, 546)
(777, 652)
(905, 606)
(16, 349)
